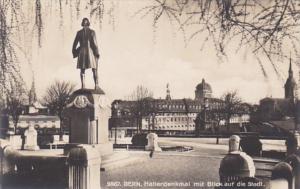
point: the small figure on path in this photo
(87, 52)
(151, 153)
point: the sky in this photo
(132, 53)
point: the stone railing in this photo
(236, 169)
(71, 171)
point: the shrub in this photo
(139, 139)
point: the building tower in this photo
(203, 90)
(32, 94)
(290, 85)
(168, 96)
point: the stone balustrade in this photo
(80, 168)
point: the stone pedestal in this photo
(152, 143)
(88, 112)
(31, 139)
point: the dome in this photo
(203, 86)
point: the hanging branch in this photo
(10, 76)
(38, 21)
(263, 26)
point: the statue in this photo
(87, 53)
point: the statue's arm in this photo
(94, 45)
(74, 50)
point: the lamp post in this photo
(115, 120)
(206, 104)
(296, 119)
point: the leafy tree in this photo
(56, 97)
(142, 106)
(10, 76)
(232, 105)
(16, 100)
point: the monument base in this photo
(88, 112)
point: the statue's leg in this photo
(95, 75)
(82, 78)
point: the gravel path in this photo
(166, 170)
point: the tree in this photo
(232, 106)
(56, 98)
(141, 95)
(10, 76)
(15, 102)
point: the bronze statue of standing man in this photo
(87, 52)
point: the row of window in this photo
(164, 119)
(38, 126)
(40, 121)
(175, 126)
(119, 113)
(174, 119)
(175, 106)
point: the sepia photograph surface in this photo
(149, 94)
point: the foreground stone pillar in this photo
(294, 162)
(8, 159)
(283, 172)
(84, 168)
(236, 165)
(153, 143)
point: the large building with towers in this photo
(164, 116)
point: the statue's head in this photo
(85, 22)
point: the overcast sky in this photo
(130, 57)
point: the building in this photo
(44, 124)
(166, 116)
(275, 109)
(34, 114)
(281, 113)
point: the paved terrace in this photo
(194, 169)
